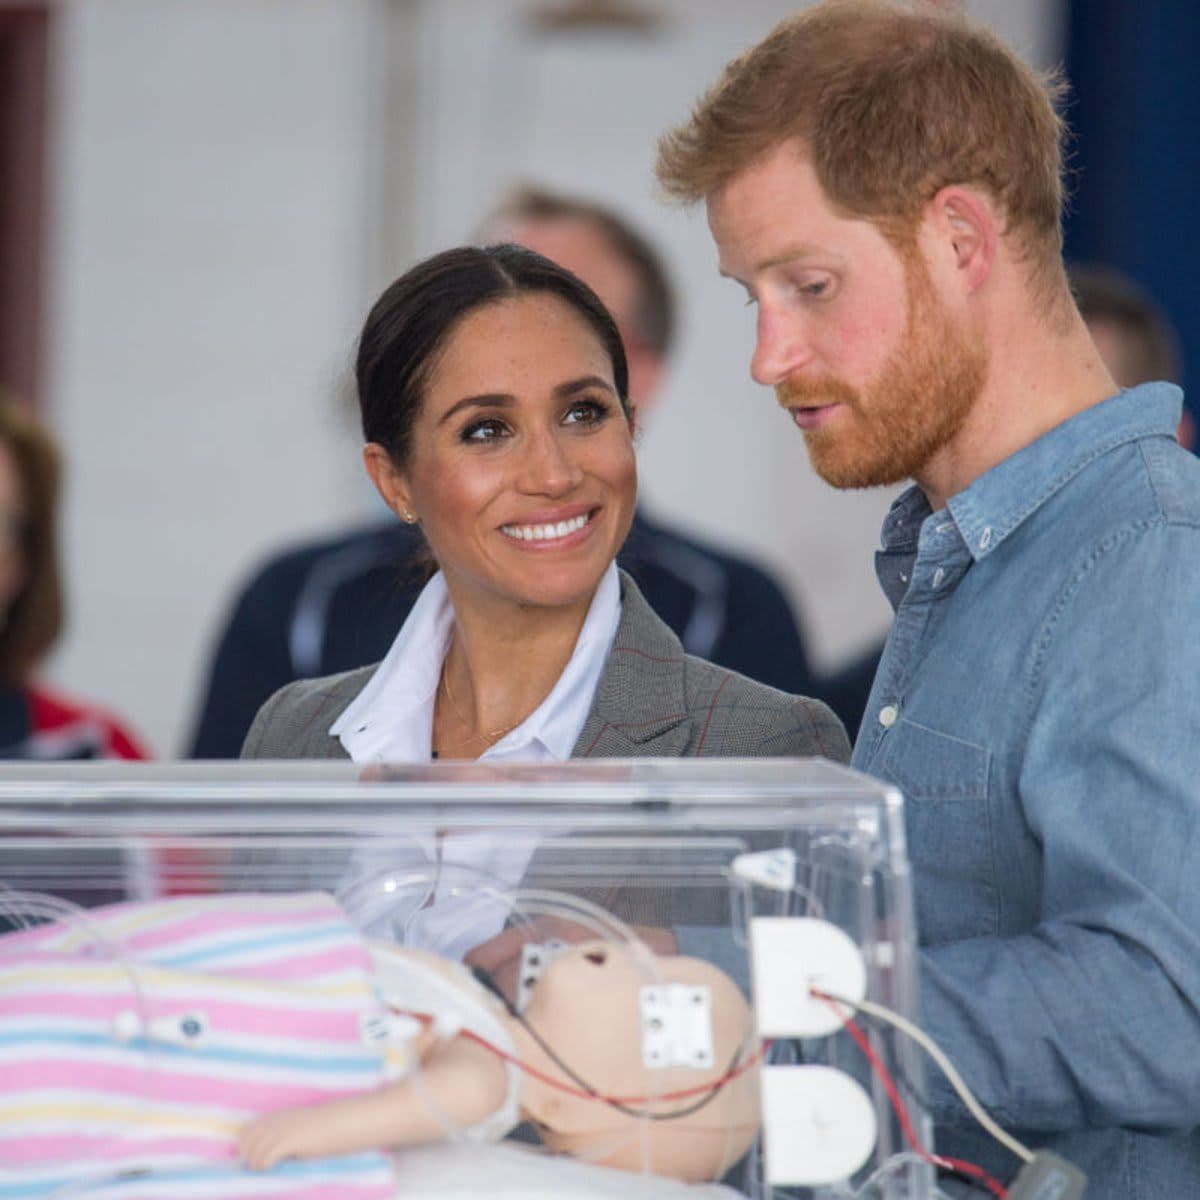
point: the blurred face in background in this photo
(521, 468)
(584, 250)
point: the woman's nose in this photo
(549, 468)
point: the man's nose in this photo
(781, 347)
(548, 467)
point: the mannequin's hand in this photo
(279, 1135)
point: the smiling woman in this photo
(494, 396)
(521, 468)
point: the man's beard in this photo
(888, 430)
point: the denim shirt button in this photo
(887, 715)
(938, 576)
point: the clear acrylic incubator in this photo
(616, 979)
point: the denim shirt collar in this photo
(1001, 499)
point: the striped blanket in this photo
(136, 1040)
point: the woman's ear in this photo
(390, 482)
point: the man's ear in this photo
(390, 482)
(965, 227)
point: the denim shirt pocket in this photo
(944, 780)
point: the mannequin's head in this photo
(586, 1008)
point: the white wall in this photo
(236, 179)
(209, 277)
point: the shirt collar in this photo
(1001, 499)
(556, 723)
(391, 719)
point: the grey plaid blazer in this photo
(652, 701)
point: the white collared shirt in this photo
(391, 720)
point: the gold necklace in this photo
(489, 735)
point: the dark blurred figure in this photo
(1134, 336)
(1138, 345)
(338, 604)
(36, 723)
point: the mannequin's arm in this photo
(462, 1079)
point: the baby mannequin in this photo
(584, 1010)
(201, 1030)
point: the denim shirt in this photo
(1038, 703)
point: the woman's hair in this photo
(34, 618)
(410, 323)
(892, 105)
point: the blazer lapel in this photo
(639, 709)
(318, 741)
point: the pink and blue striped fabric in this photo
(136, 1040)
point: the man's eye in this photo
(488, 430)
(586, 412)
(816, 287)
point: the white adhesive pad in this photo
(676, 1026)
(791, 955)
(818, 1125)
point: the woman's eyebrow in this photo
(484, 400)
(582, 384)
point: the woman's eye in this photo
(813, 287)
(586, 412)
(490, 429)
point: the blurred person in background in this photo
(35, 722)
(337, 604)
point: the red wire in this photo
(910, 1134)
(681, 1094)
